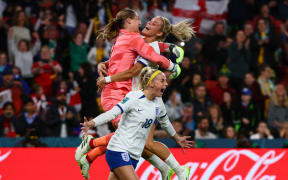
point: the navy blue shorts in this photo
(117, 159)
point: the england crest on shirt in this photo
(157, 111)
(125, 156)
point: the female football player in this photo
(140, 109)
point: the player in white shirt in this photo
(139, 109)
(151, 33)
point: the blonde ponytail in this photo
(183, 30)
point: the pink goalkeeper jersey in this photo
(127, 46)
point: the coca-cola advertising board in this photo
(205, 164)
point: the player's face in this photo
(159, 84)
(153, 28)
(135, 23)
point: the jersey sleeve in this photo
(107, 116)
(163, 46)
(141, 60)
(127, 103)
(148, 52)
(164, 120)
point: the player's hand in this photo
(86, 125)
(178, 52)
(101, 83)
(183, 142)
(102, 69)
(175, 72)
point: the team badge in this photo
(125, 100)
(125, 156)
(157, 111)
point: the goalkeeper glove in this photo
(175, 72)
(177, 52)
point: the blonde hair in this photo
(278, 101)
(145, 75)
(112, 29)
(182, 31)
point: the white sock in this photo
(173, 164)
(159, 164)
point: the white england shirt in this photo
(138, 116)
(140, 59)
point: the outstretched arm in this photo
(147, 52)
(89, 31)
(101, 119)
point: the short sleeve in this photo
(141, 60)
(127, 103)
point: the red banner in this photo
(214, 164)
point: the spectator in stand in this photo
(265, 46)
(31, 139)
(88, 91)
(202, 131)
(40, 100)
(23, 54)
(196, 79)
(187, 118)
(20, 27)
(238, 59)
(98, 53)
(222, 85)
(257, 96)
(19, 80)
(266, 84)
(45, 70)
(174, 105)
(61, 118)
(215, 49)
(263, 132)
(4, 64)
(248, 113)
(200, 101)
(216, 119)
(78, 48)
(57, 44)
(184, 79)
(264, 80)
(229, 133)
(29, 119)
(278, 109)
(271, 22)
(229, 109)
(7, 120)
(17, 92)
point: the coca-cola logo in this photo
(3, 157)
(232, 165)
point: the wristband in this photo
(108, 79)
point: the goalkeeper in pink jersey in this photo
(115, 91)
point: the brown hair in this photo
(15, 21)
(112, 29)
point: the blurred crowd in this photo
(233, 82)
